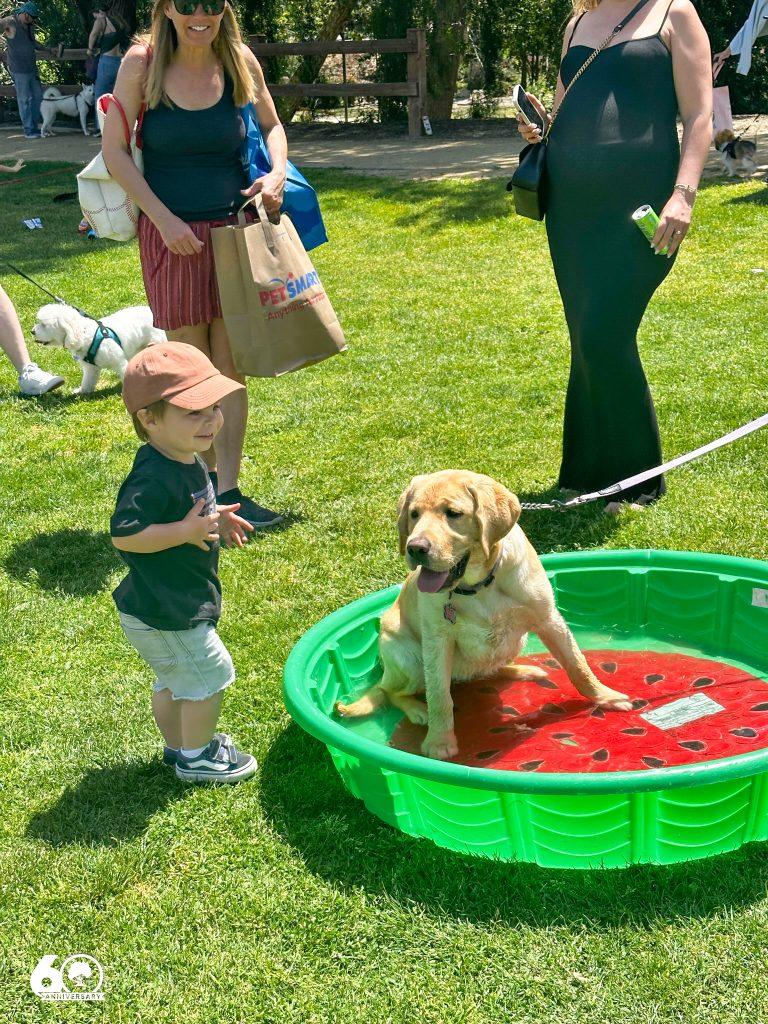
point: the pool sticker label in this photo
(760, 598)
(681, 712)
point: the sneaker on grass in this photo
(33, 381)
(259, 517)
(220, 761)
(170, 756)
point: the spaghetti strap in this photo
(664, 19)
(576, 25)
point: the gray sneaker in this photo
(170, 756)
(219, 762)
(33, 381)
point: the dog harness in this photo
(449, 611)
(100, 334)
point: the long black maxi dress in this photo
(614, 147)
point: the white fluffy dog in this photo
(63, 327)
(53, 103)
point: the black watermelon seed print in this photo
(512, 723)
(554, 709)
(547, 684)
(609, 666)
(551, 663)
(654, 762)
(600, 755)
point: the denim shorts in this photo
(192, 663)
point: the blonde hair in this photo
(228, 47)
(582, 6)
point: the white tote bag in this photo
(105, 204)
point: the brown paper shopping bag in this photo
(277, 313)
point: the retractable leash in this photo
(650, 474)
(101, 333)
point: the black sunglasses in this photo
(188, 7)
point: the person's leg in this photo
(234, 408)
(198, 720)
(198, 335)
(36, 100)
(11, 334)
(167, 715)
(32, 380)
(23, 85)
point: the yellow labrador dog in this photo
(476, 589)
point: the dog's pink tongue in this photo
(429, 581)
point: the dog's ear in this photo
(403, 510)
(69, 321)
(496, 511)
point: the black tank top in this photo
(192, 158)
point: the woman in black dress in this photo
(614, 147)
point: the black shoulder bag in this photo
(529, 182)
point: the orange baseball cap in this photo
(178, 373)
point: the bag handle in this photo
(592, 56)
(263, 217)
(104, 102)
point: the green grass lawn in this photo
(282, 900)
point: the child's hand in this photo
(199, 529)
(12, 168)
(234, 529)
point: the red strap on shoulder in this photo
(104, 102)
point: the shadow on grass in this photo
(107, 806)
(338, 840)
(76, 562)
(751, 198)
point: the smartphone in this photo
(522, 104)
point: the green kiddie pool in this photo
(542, 775)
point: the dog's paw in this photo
(613, 700)
(417, 713)
(440, 748)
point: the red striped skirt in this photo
(181, 290)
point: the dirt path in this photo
(460, 149)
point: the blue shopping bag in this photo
(300, 200)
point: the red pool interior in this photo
(700, 710)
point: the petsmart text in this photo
(290, 288)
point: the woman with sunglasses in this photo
(192, 74)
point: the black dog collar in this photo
(449, 612)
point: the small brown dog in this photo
(476, 589)
(736, 154)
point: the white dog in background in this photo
(63, 327)
(53, 103)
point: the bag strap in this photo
(262, 217)
(606, 42)
(104, 102)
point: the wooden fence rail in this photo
(414, 88)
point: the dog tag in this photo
(449, 612)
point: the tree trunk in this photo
(446, 41)
(310, 67)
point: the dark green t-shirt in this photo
(179, 587)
